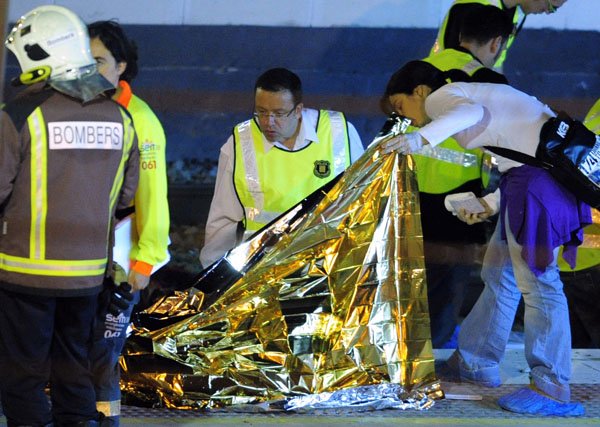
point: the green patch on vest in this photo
(322, 168)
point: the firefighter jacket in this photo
(448, 34)
(448, 166)
(151, 237)
(269, 182)
(64, 169)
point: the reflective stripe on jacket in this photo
(65, 169)
(270, 182)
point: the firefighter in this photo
(68, 160)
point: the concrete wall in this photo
(574, 15)
(199, 58)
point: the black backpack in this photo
(570, 152)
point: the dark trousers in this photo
(453, 253)
(582, 289)
(45, 340)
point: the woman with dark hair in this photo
(537, 216)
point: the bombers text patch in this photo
(85, 135)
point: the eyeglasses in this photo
(277, 116)
(551, 7)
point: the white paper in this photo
(125, 234)
(472, 205)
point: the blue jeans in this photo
(485, 331)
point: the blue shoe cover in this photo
(528, 401)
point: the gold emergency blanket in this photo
(337, 303)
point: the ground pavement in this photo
(465, 405)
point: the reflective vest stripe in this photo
(261, 216)
(110, 408)
(448, 155)
(127, 143)
(39, 202)
(251, 169)
(338, 134)
(53, 267)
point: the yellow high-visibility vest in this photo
(269, 182)
(438, 46)
(447, 166)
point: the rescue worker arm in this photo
(10, 156)
(151, 203)
(225, 211)
(356, 145)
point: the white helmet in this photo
(50, 39)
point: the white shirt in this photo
(226, 210)
(479, 114)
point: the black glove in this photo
(120, 298)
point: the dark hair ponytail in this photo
(413, 74)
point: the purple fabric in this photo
(542, 215)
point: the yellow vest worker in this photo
(448, 34)
(257, 176)
(151, 237)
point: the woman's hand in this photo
(474, 218)
(405, 144)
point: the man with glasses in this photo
(274, 160)
(516, 10)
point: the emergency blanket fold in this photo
(338, 302)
